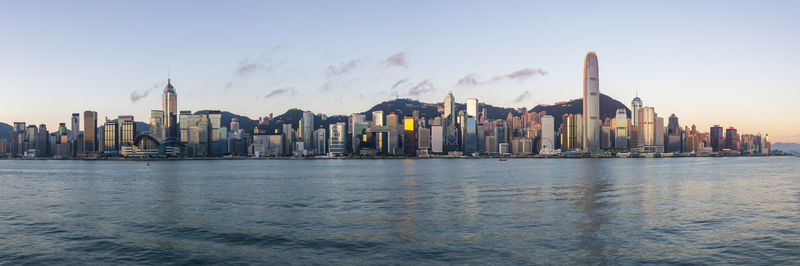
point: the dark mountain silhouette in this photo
(403, 107)
(244, 122)
(5, 130)
(608, 108)
(293, 116)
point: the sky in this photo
(732, 63)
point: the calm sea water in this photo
(526, 211)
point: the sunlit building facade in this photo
(90, 131)
(110, 137)
(621, 129)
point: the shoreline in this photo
(377, 158)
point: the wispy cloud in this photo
(398, 59)
(526, 73)
(343, 67)
(261, 63)
(468, 80)
(522, 74)
(326, 86)
(525, 95)
(399, 82)
(279, 92)
(426, 86)
(137, 95)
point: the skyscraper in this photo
(215, 137)
(409, 136)
(500, 134)
(547, 144)
(320, 141)
(621, 129)
(449, 123)
(307, 130)
(377, 118)
(675, 136)
(591, 104)
(659, 132)
(90, 131)
(472, 108)
(636, 104)
(127, 130)
(647, 127)
(157, 123)
(717, 141)
(731, 139)
(75, 129)
(169, 103)
(336, 143)
(110, 137)
(635, 129)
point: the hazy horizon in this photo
(714, 62)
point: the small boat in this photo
(503, 159)
(148, 163)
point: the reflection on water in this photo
(606, 211)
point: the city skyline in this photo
(701, 74)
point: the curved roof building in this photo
(591, 104)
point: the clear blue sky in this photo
(733, 63)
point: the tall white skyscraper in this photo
(472, 107)
(591, 104)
